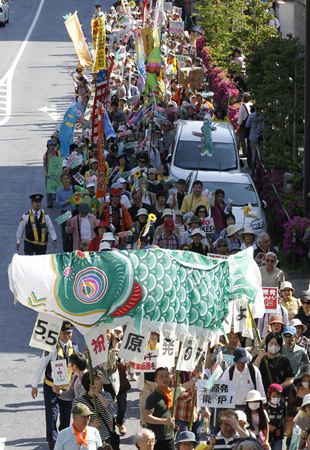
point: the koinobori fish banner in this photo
(164, 288)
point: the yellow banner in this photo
(99, 41)
(147, 36)
(77, 36)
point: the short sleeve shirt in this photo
(158, 403)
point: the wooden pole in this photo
(91, 378)
(260, 344)
(191, 420)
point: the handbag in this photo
(114, 439)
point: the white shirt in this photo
(242, 383)
(244, 112)
(22, 225)
(66, 439)
(85, 230)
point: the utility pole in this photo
(307, 116)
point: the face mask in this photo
(273, 349)
(275, 400)
(253, 406)
(305, 384)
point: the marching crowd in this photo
(143, 207)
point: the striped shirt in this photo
(222, 443)
(106, 413)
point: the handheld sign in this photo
(270, 299)
(220, 396)
(45, 332)
(176, 26)
(60, 372)
(149, 364)
(63, 217)
(97, 344)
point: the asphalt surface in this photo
(41, 85)
(42, 89)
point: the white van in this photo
(185, 152)
(4, 12)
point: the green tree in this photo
(228, 24)
(275, 72)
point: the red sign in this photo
(271, 299)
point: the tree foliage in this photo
(276, 79)
(230, 24)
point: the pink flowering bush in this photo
(224, 89)
(278, 222)
(296, 226)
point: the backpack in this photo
(251, 370)
(246, 130)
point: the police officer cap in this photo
(36, 197)
(67, 326)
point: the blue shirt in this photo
(66, 440)
(62, 195)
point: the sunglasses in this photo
(270, 260)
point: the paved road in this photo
(40, 78)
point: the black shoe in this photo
(51, 445)
(50, 206)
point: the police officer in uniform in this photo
(35, 226)
(54, 406)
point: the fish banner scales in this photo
(76, 34)
(165, 288)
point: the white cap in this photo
(108, 236)
(104, 246)
(167, 212)
(198, 231)
(253, 396)
(242, 416)
(121, 180)
(142, 211)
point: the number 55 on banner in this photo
(45, 332)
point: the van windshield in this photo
(240, 193)
(187, 156)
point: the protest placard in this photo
(45, 332)
(168, 6)
(207, 225)
(220, 396)
(181, 59)
(54, 173)
(176, 26)
(193, 76)
(168, 351)
(177, 10)
(63, 217)
(133, 345)
(97, 344)
(270, 299)
(240, 315)
(187, 355)
(149, 364)
(60, 373)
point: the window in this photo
(240, 193)
(187, 156)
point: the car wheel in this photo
(2, 24)
(8, 19)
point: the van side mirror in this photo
(264, 204)
(168, 158)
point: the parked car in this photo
(186, 154)
(238, 187)
(4, 12)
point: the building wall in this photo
(300, 20)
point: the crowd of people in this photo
(143, 207)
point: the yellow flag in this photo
(99, 42)
(76, 34)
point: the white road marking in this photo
(2, 443)
(7, 80)
(51, 111)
